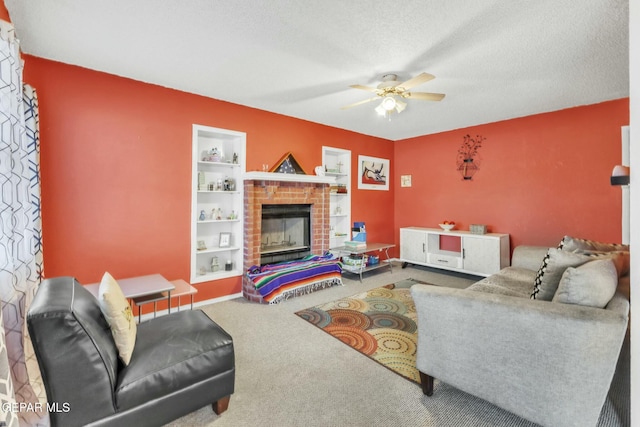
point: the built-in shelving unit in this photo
(337, 164)
(217, 203)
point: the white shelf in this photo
(218, 192)
(215, 164)
(229, 144)
(220, 274)
(217, 250)
(338, 158)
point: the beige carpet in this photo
(290, 373)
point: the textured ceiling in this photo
(494, 60)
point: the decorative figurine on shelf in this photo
(203, 216)
(219, 185)
(201, 245)
(200, 181)
(214, 264)
(213, 213)
(233, 215)
(235, 158)
(211, 156)
(218, 214)
(229, 184)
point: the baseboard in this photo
(187, 306)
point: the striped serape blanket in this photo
(281, 281)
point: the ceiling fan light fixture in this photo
(400, 106)
(389, 103)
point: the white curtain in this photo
(21, 240)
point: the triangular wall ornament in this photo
(288, 164)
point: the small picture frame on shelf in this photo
(225, 240)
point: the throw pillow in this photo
(550, 272)
(621, 259)
(592, 284)
(574, 244)
(117, 311)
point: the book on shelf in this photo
(352, 244)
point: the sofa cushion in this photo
(117, 311)
(551, 271)
(573, 244)
(174, 352)
(513, 281)
(621, 259)
(592, 284)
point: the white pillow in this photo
(117, 311)
(592, 284)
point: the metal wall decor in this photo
(468, 161)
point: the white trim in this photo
(626, 236)
(288, 177)
(634, 204)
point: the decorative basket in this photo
(478, 229)
(355, 261)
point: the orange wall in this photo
(116, 171)
(4, 13)
(541, 177)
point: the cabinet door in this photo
(413, 245)
(481, 255)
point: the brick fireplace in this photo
(258, 192)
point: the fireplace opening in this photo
(286, 233)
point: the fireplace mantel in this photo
(288, 177)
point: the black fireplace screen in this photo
(286, 232)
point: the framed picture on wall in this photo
(373, 173)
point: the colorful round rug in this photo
(380, 323)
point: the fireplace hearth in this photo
(259, 193)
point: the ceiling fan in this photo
(390, 90)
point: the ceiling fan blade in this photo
(359, 103)
(415, 81)
(425, 96)
(367, 88)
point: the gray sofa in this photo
(548, 362)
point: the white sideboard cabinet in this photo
(461, 251)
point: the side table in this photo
(141, 290)
(371, 247)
